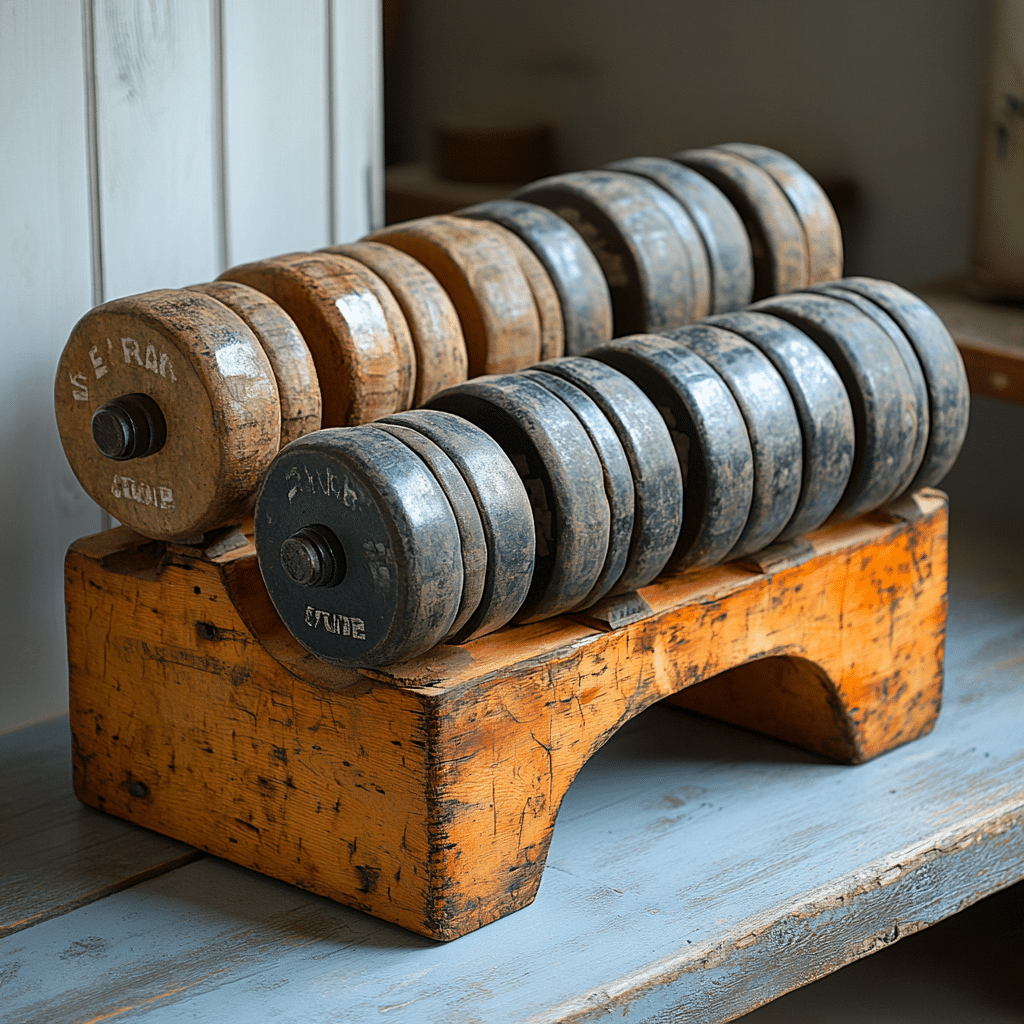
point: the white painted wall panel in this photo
(275, 127)
(157, 122)
(45, 286)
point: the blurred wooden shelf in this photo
(990, 336)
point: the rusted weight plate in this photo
(358, 547)
(722, 232)
(504, 509)
(944, 374)
(618, 480)
(709, 436)
(562, 474)
(772, 428)
(879, 387)
(775, 232)
(812, 206)
(545, 297)
(297, 386)
(473, 543)
(168, 412)
(899, 340)
(482, 277)
(346, 315)
(822, 408)
(441, 358)
(657, 480)
(630, 226)
(574, 270)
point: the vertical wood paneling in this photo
(45, 286)
(275, 117)
(357, 117)
(159, 178)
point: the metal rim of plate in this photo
(359, 547)
(879, 387)
(657, 480)
(505, 514)
(618, 480)
(949, 397)
(573, 268)
(812, 206)
(709, 436)
(472, 542)
(776, 235)
(769, 415)
(642, 256)
(822, 406)
(562, 474)
(721, 229)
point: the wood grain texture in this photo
(426, 793)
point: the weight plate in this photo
(709, 437)
(618, 481)
(657, 481)
(822, 407)
(504, 509)
(168, 411)
(812, 206)
(945, 378)
(772, 428)
(624, 221)
(441, 359)
(573, 268)
(724, 237)
(473, 544)
(297, 386)
(345, 313)
(910, 361)
(358, 547)
(562, 474)
(879, 387)
(485, 283)
(776, 235)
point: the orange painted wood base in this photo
(426, 793)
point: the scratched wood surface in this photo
(696, 871)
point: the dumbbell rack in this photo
(426, 793)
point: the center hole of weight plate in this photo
(129, 427)
(313, 557)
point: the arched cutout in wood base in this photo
(426, 793)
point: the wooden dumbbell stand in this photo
(426, 793)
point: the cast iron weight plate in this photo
(776, 234)
(504, 509)
(473, 544)
(772, 428)
(482, 277)
(562, 474)
(657, 480)
(948, 392)
(572, 267)
(168, 411)
(910, 360)
(822, 407)
(618, 481)
(812, 206)
(441, 359)
(879, 387)
(721, 230)
(623, 220)
(346, 315)
(710, 440)
(358, 547)
(297, 386)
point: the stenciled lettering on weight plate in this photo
(321, 481)
(145, 494)
(159, 363)
(333, 622)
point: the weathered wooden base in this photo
(426, 793)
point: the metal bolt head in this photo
(313, 557)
